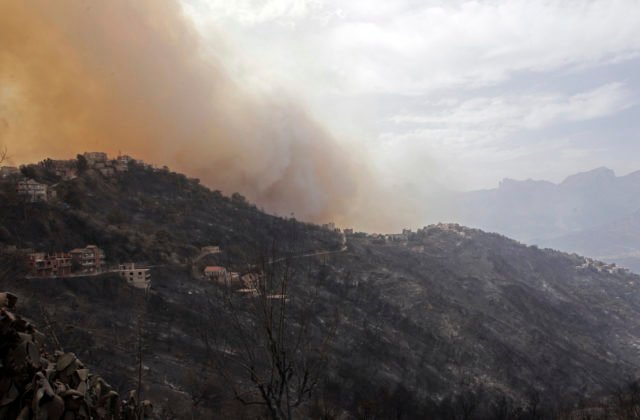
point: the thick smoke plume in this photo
(131, 76)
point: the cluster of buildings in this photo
(65, 169)
(247, 284)
(100, 162)
(405, 237)
(601, 267)
(86, 261)
(382, 237)
(399, 237)
(332, 227)
(79, 261)
(33, 191)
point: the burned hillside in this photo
(415, 325)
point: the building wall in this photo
(135, 276)
(91, 259)
(50, 265)
(219, 275)
(33, 191)
(95, 157)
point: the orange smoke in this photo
(79, 75)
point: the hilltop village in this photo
(41, 183)
(32, 191)
(86, 261)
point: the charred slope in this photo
(453, 310)
(467, 307)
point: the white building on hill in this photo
(136, 276)
(34, 191)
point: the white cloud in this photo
(510, 112)
(479, 43)
(409, 47)
(483, 132)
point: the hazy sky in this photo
(449, 93)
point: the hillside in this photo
(486, 310)
(423, 326)
(615, 241)
(142, 214)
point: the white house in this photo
(136, 276)
(34, 191)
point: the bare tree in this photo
(501, 408)
(3, 153)
(533, 403)
(269, 350)
(468, 402)
(626, 402)
(203, 390)
(138, 404)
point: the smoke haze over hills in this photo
(133, 77)
(353, 113)
(594, 213)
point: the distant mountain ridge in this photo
(593, 213)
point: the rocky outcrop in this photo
(35, 384)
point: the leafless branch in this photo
(268, 340)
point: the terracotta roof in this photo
(213, 269)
